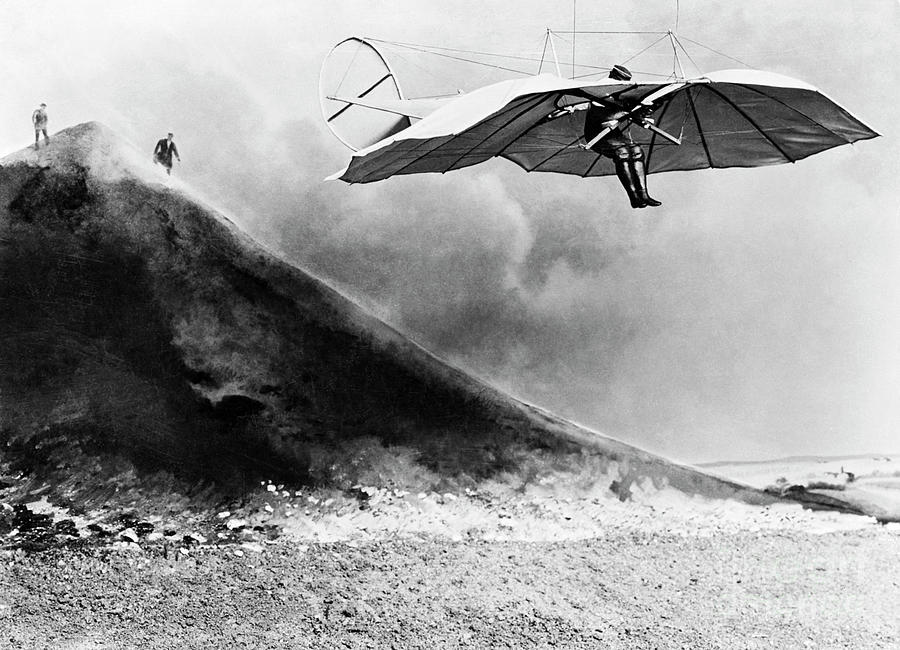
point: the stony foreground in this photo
(768, 589)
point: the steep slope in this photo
(136, 315)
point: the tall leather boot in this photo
(640, 180)
(626, 177)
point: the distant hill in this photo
(138, 318)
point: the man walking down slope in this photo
(164, 151)
(39, 119)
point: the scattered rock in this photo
(99, 530)
(193, 538)
(66, 527)
(27, 521)
(143, 528)
(252, 546)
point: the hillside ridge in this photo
(141, 312)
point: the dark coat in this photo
(164, 151)
(597, 119)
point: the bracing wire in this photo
(599, 68)
(564, 40)
(412, 63)
(634, 56)
(428, 49)
(640, 72)
(574, 26)
(543, 52)
(459, 58)
(687, 54)
(437, 47)
(581, 31)
(444, 51)
(454, 53)
(706, 47)
(347, 71)
(675, 62)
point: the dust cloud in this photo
(753, 315)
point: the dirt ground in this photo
(773, 588)
(96, 555)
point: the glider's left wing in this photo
(736, 118)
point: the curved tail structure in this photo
(361, 97)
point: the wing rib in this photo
(752, 122)
(541, 98)
(700, 129)
(662, 114)
(554, 154)
(798, 111)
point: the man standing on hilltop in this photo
(164, 151)
(39, 119)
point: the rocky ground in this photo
(156, 565)
(772, 589)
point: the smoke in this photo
(753, 315)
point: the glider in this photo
(728, 118)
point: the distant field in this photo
(870, 482)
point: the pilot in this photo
(618, 145)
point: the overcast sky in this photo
(755, 315)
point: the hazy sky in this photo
(756, 314)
